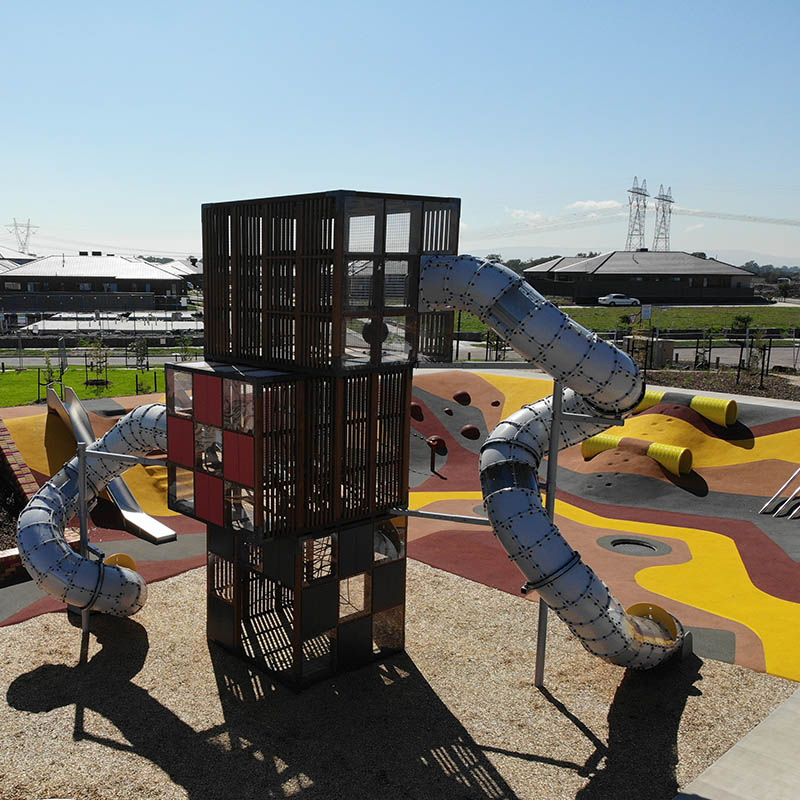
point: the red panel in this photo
(180, 441)
(237, 458)
(208, 498)
(208, 399)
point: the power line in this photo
(696, 212)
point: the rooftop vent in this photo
(97, 252)
(642, 250)
(83, 252)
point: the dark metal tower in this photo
(291, 440)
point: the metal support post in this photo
(550, 508)
(83, 518)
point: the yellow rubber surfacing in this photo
(709, 451)
(714, 580)
(46, 445)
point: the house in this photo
(653, 277)
(88, 282)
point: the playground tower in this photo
(291, 439)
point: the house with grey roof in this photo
(91, 282)
(652, 277)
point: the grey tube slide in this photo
(57, 569)
(600, 380)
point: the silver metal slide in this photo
(601, 380)
(55, 567)
(74, 416)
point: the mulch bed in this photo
(725, 381)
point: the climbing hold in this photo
(448, 411)
(471, 432)
(416, 412)
(462, 398)
(437, 444)
(495, 403)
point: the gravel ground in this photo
(157, 713)
(775, 386)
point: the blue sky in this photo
(119, 121)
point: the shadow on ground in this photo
(378, 732)
(638, 762)
(643, 721)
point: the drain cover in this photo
(634, 546)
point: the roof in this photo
(183, 266)
(5, 265)
(638, 262)
(13, 255)
(110, 267)
(554, 263)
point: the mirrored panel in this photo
(181, 489)
(389, 539)
(238, 405)
(179, 392)
(354, 596)
(239, 507)
(387, 630)
(208, 449)
(397, 343)
(358, 334)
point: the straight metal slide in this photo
(74, 416)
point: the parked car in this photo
(618, 300)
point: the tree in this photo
(495, 258)
(140, 353)
(590, 254)
(700, 254)
(50, 372)
(184, 342)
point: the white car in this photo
(618, 300)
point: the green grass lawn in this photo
(19, 388)
(606, 319)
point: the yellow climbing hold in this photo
(678, 460)
(721, 410)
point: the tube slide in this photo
(600, 380)
(55, 567)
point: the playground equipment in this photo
(291, 440)
(74, 416)
(677, 460)
(720, 410)
(787, 503)
(601, 382)
(58, 570)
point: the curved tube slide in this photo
(599, 379)
(57, 569)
